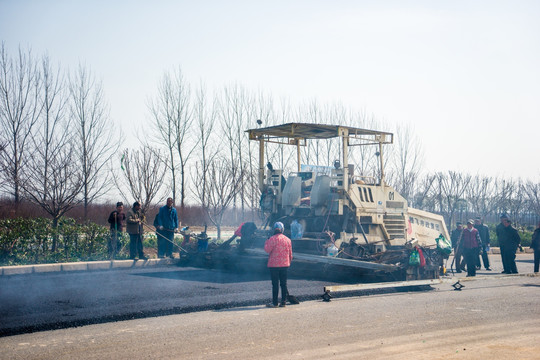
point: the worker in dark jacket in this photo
(499, 229)
(246, 233)
(454, 237)
(509, 241)
(470, 242)
(116, 221)
(483, 230)
(535, 245)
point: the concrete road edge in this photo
(84, 266)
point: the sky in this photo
(464, 74)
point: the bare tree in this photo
(235, 118)
(532, 192)
(423, 189)
(480, 195)
(224, 181)
(52, 135)
(144, 173)
(172, 118)
(407, 161)
(311, 112)
(19, 111)
(337, 115)
(517, 202)
(96, 138)
(503, 195)
(53, 180)
(365, 157)
(279, 155)
(205, 118)
(60, 193)
(450, 190)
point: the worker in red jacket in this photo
(279, 248)
(470, 242)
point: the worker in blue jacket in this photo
(166, 223)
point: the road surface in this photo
(491, 318)
(36, 302)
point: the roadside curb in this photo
(84, 266)
(488, 277)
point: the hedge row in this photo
(35, 241)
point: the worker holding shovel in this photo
(166, 224)
(116, 221)
(135, 222)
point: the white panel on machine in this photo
(320, 190)
(292, 191)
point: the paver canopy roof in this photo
(315, 131)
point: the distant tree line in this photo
(458, 197)
(59, 148)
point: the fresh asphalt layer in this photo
(88, 294)
(54, 300)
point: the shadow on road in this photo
(530, 285)
(242, 309)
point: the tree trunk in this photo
(55, 233)
(182, 187)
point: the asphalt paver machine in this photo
(337, 217)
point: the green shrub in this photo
(526, 238)
(30, 241)
(18, 241)
(150, 240)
